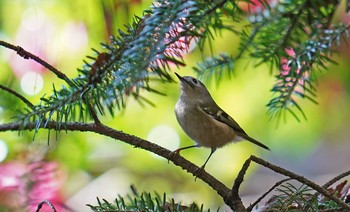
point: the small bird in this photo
(204, 121)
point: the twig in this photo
(53, 209)
(250, 208)
(301, 179)
(237, 202)
(216, 6)
(335, 179)
(19, 96)
(92, 111)
(27, 55)
(332, 181)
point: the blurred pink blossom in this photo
(24, 185)
(286, 68)
(286, 63)
(254, 6)
(12, 184)
(290, 51)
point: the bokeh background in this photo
(75, 168)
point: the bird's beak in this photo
(178, 76)
(182, 79)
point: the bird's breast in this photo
(202, 128)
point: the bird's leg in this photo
(179, 149)
(187, 147)
(199, 170)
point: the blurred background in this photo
(74, 168)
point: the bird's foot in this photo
(173, 153)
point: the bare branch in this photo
(16, 94)
(250, 208)
(292, 175)
(53, 209)
(101, 129)
(27, 55)
(335, 179)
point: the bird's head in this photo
(192, 88)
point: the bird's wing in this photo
(224, 118)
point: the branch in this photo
(101, 129)
(285, 172)
(27, 55)
(53, 209)
(19, 96)
(335, 179)
(250, 208)
(332, 181)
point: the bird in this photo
(204, 121)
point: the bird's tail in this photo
(255, 142)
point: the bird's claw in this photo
(173, 153)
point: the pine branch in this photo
(152, 43)
(144, 202)
(27, 55)
(250, 208)
(293, 20)
(132, 140)
(240, 177)
(146, 49)
(296, 77)
(215, 67)
(17, 95)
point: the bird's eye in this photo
(195, 81)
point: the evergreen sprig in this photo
(216, 67)
(152, 43)
(304, 27)
(281, 25)
(296, 77)
(143, 52)
(291, 197)
(144, 202)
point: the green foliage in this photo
(143, 202)
(304, 26)
(293, 198)
(141, 54)
(215, 67)
(297, 77)
(294, 37)
(282, 25)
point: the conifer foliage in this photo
(296, 38)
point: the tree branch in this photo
(19, 96)
(27, 55)
(40, 205)
(335, 179)
(284, 172)
(101, 129)
(250, 208)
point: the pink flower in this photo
(286, 63)
(285, 67)
(291, 64)
(25, 185)
(12, 184)
(290, 52)
(254, 6)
